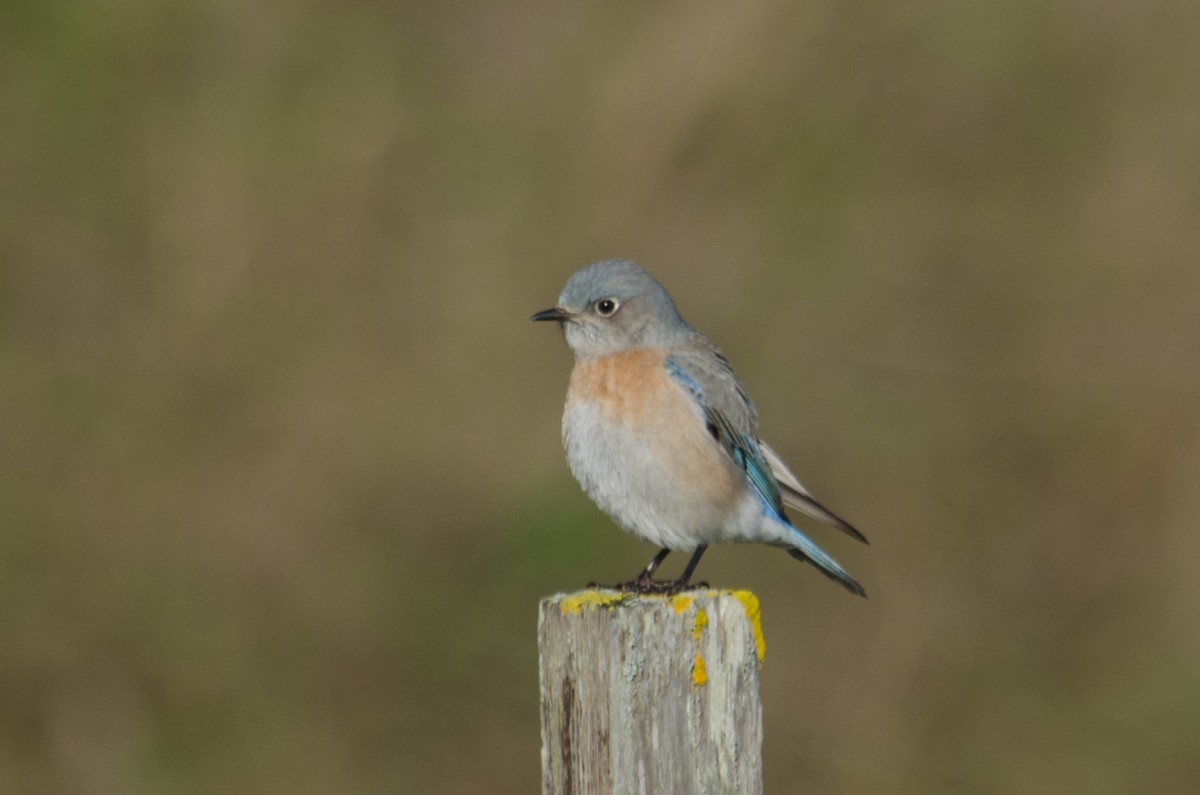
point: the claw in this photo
(645, 585)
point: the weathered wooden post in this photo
(651, 694)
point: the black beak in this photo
(557, 313)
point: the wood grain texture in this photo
(651, 694)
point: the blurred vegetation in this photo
(281, 481)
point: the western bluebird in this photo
(661, 434)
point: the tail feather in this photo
(805, 549)
(794, 494)
(805, 503)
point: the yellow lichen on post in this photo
(681, 603)
(573, 604)
(699, 622)
(753, 612)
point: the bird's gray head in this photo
(615, 306)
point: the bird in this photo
(660, 432)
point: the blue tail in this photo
(804, 549)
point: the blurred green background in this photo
(281, 481)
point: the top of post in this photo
(692, 602)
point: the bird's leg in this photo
(685, 578)
(653, 565)
(644, 582)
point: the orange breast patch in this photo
(625, 386)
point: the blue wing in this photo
(730, 419)
(740, 446)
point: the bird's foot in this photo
(644, 584)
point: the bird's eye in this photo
(607, 307)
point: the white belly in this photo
(676, 490)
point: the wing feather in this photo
(798, 497)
